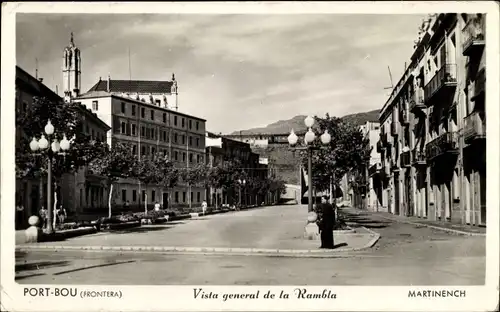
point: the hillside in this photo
(297, 123)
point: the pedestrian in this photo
(43, 216)
(326, 223)
(157, 206)
(204, 207)
(61, 214)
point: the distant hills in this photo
(297, 123)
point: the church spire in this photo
(71, 70)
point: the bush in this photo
(151, 214)
(118, 219)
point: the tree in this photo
(146, 171)
(116, 163)
(348, 150)
(68, 120)
(193, 176)
(168, 173)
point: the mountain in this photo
(297, 123)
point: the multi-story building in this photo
(432, 121)
(79, 191)
(219, 151)
(371, 131)
(139, 113)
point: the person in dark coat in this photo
(327, 223)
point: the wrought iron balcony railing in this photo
(405, 159)
(474, 36)
(374, 169)
(443, 144)
(475, 127)
(479, 84)
(445, 78)
(405, 116)
(417, 101)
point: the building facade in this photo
(77, 191)
(433, 120)
(144, 115)
(371, 131)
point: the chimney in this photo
(108, 83)
(40, 79)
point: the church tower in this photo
(71, 71)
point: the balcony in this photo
(475, 127)
(418, 158)
(444, 81)
(394, 166)
(386, 170)
(394, 128)
(474, 36)
(405, 159)
(417, 101)
(405, 116)
(444, 144)
(374, 169)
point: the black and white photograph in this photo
(235, 150)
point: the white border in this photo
(180, 298)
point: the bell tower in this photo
(71, 71)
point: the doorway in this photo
(165, 200)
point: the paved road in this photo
(404, 255)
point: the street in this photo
(404, 255)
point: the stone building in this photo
(79, 191)
(144, 114)
(432, 121)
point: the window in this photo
(152, 114)
(147, 133)
(176, 155)
(164, 152)
(143, 112)
(134, 195)
(183, 139)
(175, 120)
(133, 129)
(197, 158)
(133, 110)
(123, 108)
(93, 134)
(134, 149)
(143, 150)
(183, 156)
(95, 105)
(124, 195)
(190, 157)
(158, 102)
(176, 197)
(175, 137)
(197, 142)
(190, 124)
(164, 136)
(201, 158)
(184, 197)
(198, 197)
(197, 125)
(124, 128)
(182, 123)
(143, 131)
(143, 195)
(192, 196)
(165, 117)
(153, 197)
(153, 150)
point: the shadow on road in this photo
(364, 220)
(39, 265)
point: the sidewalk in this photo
(460, 229)
(272, 231)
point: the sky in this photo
(235, 71)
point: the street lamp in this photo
(42, 146)
(309, 139)
(241, 182)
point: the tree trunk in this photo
(146, 202)
(110, 197)
(189, 196)
(55, 207)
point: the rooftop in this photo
(133, 86)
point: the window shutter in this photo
(116, 124)
(128, 128)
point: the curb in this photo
(211, 250)
(457, 232)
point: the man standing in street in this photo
(204, 207)
(326, 223)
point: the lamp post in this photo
(42, 146)
(242, 183)
(309, 139)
